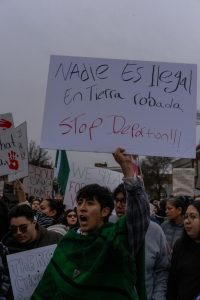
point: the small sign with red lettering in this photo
(22, 143)
(93, 104)
(10, 159)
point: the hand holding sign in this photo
(125, 161)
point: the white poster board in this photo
(101, 104)
(22, 143)
(10, 159)
(82, 174)
(39, 183)
(26, 269)
(183, 182)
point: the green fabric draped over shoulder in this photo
(93, 267)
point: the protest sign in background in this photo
(26, 269)
(183, 182)
(22, 144)
(10, 159)
(39, 183)
(100, 104)
(82, 173)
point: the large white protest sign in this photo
(22, 143)
(26, 269)
(82, 174)
(39, 183)
(148, 108)
(10, 159)
(183, 181)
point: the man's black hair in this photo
(21, 211)
(102, 194)
(56, 205)
(119, 189)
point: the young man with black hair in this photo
(25, 233)
(101, 260)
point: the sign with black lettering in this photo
(82, 173)
(39, 183)
(10, 159)
(26, 269)
(22, 143)
(149, 108)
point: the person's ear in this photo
(105, 211)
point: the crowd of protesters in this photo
(112, 245)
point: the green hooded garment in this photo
(94, 267)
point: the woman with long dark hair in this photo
(184, 279)
(71, 218)
(51, 215)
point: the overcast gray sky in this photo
(32, 30)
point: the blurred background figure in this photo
(184, 279)
(71, 218)
(173, 226)
(35, 203)
(52, 215)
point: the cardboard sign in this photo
(39, 183)
(10, 159)
(26, 269)
(22, 143)
(101, 104)
(183, 182)
(81, 174)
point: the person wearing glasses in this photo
(25, 233)
(71, 218)
(184, 279)
(119, 195)
(157, 254)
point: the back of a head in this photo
(21, 211)
(102, 194)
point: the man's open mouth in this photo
(83, 218)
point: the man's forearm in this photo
(138, 212)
